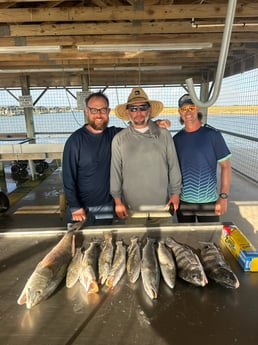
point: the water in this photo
(69, 122)
(56, 127)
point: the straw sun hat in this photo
(138, 95)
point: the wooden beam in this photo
(68, 41)
(124, 28)
(117, 13)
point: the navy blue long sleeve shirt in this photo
(86, 167)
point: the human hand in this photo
(121, 211)
(163, 123)
(79, 215)
(174, 201)
(221, 206)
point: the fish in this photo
(167, 264)
(118, 265)
(189, 267)
(216, 267)
(50, 271)
(88, 272)
(150, 271)
(74, 268)
(105, 258)
(133, 265)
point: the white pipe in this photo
(222, 60)
(239, 25)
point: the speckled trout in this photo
(133, 265)
(118, 266)
(50, 271)
(105, 258)
(150, 271)
(216, 267)
(74, 268)
(189, 267)
(88, 273)
(167, 264)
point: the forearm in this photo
(225, 177)
(225, 181)
(117, 201)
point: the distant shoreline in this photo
(216, 110)
(172, 111)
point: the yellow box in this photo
(240, 247)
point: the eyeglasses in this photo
(96, 110)
(186, 108)
(141, 107)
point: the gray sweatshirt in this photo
(144, 167)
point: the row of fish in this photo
(92, 267)
(104, 263)
(174, 259)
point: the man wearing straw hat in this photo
(145, 174)
(86, 165)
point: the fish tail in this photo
(109, 282)
(76, 226)
(93, 287)
(152, 292)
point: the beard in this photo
(140, 121)
(98, 126)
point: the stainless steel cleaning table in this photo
(125, 315)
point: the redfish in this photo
(49, 272)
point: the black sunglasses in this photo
(141, 107)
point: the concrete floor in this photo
(39, 208)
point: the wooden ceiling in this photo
(69, 24)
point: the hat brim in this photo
(156, 109)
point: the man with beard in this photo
(144, 166)
(86, 165)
